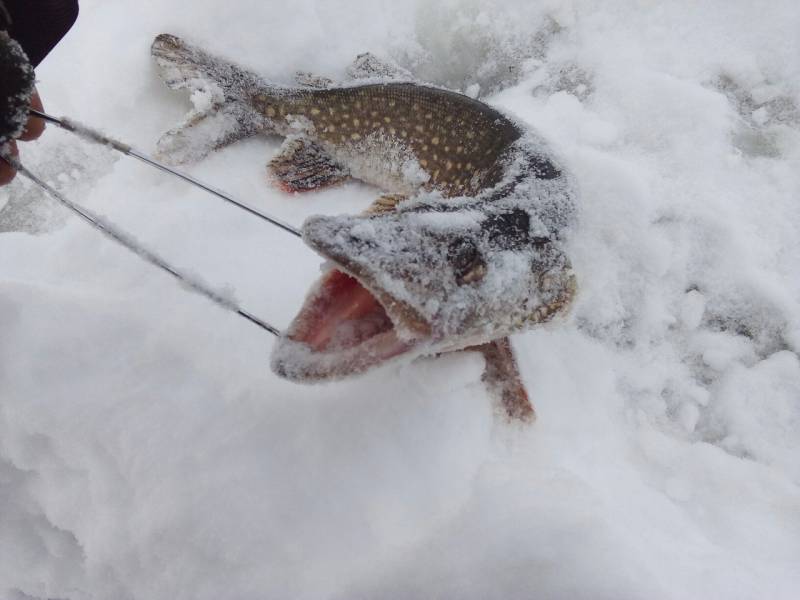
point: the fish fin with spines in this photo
(502, 377)
(310, 80)
(303, 165)
(385, 204)
(369, 66)
(219, 93)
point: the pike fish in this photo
(467, 246)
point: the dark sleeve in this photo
(38, 25)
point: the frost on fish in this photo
(466, 246)
(369, 66)
(216, 89)
(302, 165)
(435, 274)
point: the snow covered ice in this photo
(147, 452)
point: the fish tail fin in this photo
(184, 66)
(219, 92)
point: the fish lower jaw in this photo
(341, 330)
(298, 362)
(461, 343)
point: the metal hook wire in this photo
(117, 235)
(100, 138)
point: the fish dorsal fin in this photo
(385, 204)
(369, 66)
(502, 377)
(310, 80)
(302, 165)
(365, 66)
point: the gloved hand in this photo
(16, 88)
(17, 94)
(37, 25)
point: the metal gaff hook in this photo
(117, 235)
(100, 138)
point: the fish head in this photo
(427, 278)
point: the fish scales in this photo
(453, 137)
(468, 247)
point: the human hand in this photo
(33, 129)
(28, 32)
(17, 95)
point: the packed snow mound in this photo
(147, 452)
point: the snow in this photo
(147, 451)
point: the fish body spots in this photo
(452, 137)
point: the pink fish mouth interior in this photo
(342, 315)
(344, 328)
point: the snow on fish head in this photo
(426, 278)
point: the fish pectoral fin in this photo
(310, 80)
(369, 66)
(385, 204)
(302, 166)
(502, 377)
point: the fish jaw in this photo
(344, 329)
(349, 322)
(414, 283)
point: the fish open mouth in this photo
(342, 329)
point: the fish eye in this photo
(540, 241)
(508, 230)
(466, 260)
